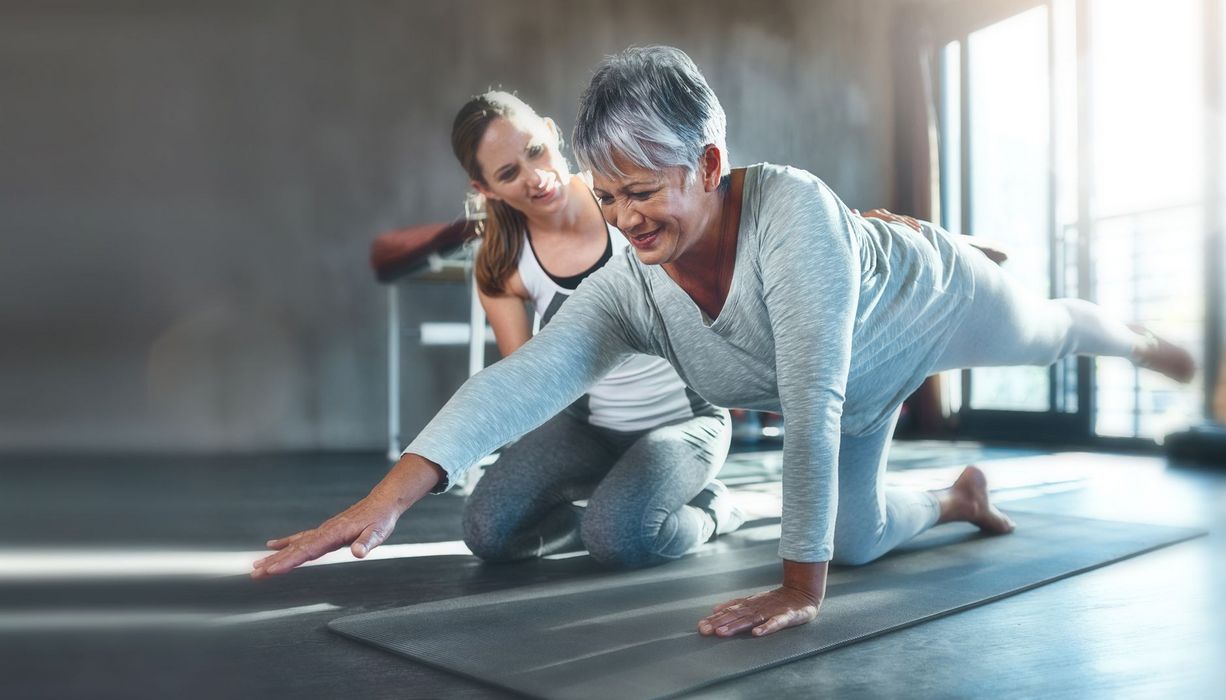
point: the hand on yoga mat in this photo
(794, 603)
(363, 525)
(765, 612)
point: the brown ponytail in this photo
(503, 230)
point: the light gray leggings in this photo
(637, 485)
(1005, 325)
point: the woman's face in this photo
(660, 212)
(521, 165)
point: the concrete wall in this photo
(188, 189)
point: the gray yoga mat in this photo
(633, 635)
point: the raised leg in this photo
(1008, 325)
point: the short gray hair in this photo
(651, 106)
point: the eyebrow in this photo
(511, 166)
(628, 185)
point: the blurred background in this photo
(196, 353)
(189, 190)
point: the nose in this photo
(625, 217)
(537, 179)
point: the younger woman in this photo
(639, 446)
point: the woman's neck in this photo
(704, 270)
(698, 263)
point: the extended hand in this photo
(765, 612)
(363, 525)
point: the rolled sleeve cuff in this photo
(451, 474)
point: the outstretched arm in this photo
(584, 341)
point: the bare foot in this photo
(967, 501)
(1163, 356)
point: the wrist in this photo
(807, 577)
(412, 477)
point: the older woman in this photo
(763, 291)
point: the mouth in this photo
(547, 194)
(643, 241)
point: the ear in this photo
(552, 126)
(711, 167)
(485, 191)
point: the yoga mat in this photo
(633, 634)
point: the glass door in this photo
(1072, 134)
(1005, 127)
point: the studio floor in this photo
(125, 577)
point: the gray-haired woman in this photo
(764, 292)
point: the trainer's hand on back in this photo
(763, 613)
(890, 217)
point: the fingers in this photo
(370, 538)
(301, 548)
(292, 556)
(727, 604)
(792, 617)
(776, 623)
(730, 621)
(709, 623)
(281, 542)
(887, 215)
(362, 526)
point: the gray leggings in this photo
(1005, 325)
(637, 485)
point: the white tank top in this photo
(641, 393)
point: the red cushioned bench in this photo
(402, 252)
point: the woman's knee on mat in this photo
(610, 539)
(619, 537)
(484, 536)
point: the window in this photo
(1081, 149)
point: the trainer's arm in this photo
(507, 316)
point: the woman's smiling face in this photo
(660, 212)
(522, 166)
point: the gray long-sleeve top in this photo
(831, 320)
